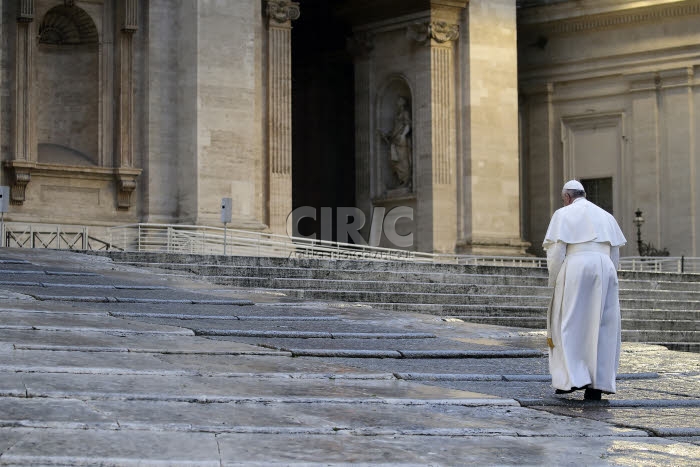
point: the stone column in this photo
(435, 127)
(678, 164)
(491, 154)
(280, 14)
(646, 168)
(124, 165)
(24, 157)
(542, 168)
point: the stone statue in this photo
(399, 141)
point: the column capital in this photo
(25, 13)
(439, 31)
(129, 16)
(282, 11)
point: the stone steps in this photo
(220, 274)
(472, 288)
(656, 307)
(230, 274)
(632, 325)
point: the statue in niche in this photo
(399, 141)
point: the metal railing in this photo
(50, 236)
(679, 264)
(203, 240)
(199, 239)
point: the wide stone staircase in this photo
(659, 308)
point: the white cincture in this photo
(588, 247)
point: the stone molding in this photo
(438, 31)
(126, 184)
(613, 19)
(282, 11)
(20, 176)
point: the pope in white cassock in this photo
(583, 329)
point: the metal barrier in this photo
(50, 236)
(679, 264)
(199, 239)
(204, 240)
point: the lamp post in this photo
(638, 221)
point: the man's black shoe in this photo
(568, 391)
(592, 394)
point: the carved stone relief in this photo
(281, 11)
(438, 31)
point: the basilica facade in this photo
(469, 114)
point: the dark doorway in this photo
(599, 191)
(323, 120)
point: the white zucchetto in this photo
(573, 185)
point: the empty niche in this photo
(68, 87)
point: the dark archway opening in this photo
(323, 102)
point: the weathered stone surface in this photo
(81, 397)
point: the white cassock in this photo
(583, 251)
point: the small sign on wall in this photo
(4, 198)
(226, 209)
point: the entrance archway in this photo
(323, 120)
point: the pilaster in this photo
(125, 174)
(437, 203)
(280, 15)
(24, 112)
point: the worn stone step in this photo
(461, 309)
(627, 324)
(220, 273)
(660, 336)
(142, 257)
(656, 294)
(690, 305)
(661, 324)
(370, 284)
(412, 298)
(659, 285)
(638, 314)
(389, 286)
(242, 389)
(410, 266)
(273, 277)
(656, 314)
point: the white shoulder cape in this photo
(583, 221)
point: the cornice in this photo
(582, 19)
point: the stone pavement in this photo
(105, 364)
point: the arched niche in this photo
(394, 159)
(68, 85)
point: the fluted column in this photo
(24, 157)
(280, 15)
(437, 192)
(125, 172)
